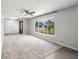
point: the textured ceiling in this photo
(39, 6)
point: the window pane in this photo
(45, 26)
(41, 27)
(51, 27)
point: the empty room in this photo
(39, 29)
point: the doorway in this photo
(20, 27)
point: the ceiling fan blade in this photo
(26, 11)
(32, 12)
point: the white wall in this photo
(65, 27)
(2, 32)
(11, 26)
(25, 26)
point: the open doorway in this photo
(20, 27)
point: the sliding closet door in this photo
(20, 27)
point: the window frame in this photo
(47, 28)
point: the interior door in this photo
(20, 27)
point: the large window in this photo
(45, 26)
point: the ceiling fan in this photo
(27, 12)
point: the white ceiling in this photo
(39, 6)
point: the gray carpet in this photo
(26, 47)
